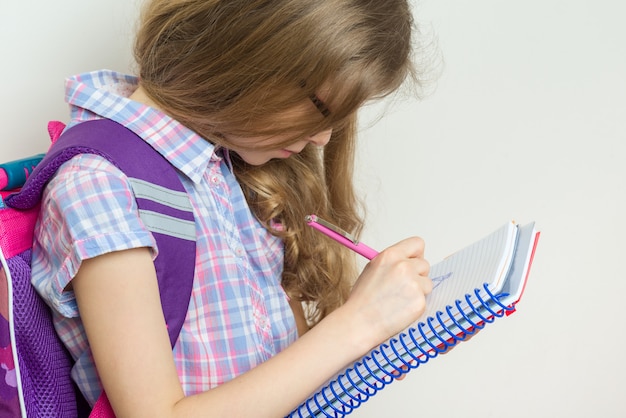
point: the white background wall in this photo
(527, 122)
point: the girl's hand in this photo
(390, 293)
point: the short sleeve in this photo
(88, 209)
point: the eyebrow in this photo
(320, 105)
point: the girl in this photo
(254, 103)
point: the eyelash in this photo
(320, 105)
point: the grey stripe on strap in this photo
(168, 225)
(172, 198)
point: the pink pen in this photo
(341, 236)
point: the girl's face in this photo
(244, 146)
(261, 156)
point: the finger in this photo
(412, 247)
(422, 269)
(426, 284)
(422, 266)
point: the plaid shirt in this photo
(238, 315)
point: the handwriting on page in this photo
(440, 279)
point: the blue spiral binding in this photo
(453, 335)
(347, 407)
(477, 325)
(404, 352)
(466, 330)
(418, 359)
(496, 299)
(409, 364)
(364, 379)
(496, 314)
(366, 393)
(315, 399)
(356, 399)
(427, 353)
(390, 375)
(436, 349)
(486, 305)
(444, 342)
(485, 319)
(385, 347)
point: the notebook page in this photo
(516, 281)
(510, 293)
(485, 261)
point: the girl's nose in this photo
(321, 138)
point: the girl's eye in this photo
(320, 105)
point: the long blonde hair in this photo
(235, 66)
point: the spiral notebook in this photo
(471, 288)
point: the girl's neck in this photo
(140, 96)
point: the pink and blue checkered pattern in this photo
(238, 316)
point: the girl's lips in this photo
(288, 152)
(285, 153)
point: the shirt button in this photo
(239, 251)
(215, 179)
(266, 324)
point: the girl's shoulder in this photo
(86, 179)
(88, 209)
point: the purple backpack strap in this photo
(172, 224)
(162, 200)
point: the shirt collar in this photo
(105, 94)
